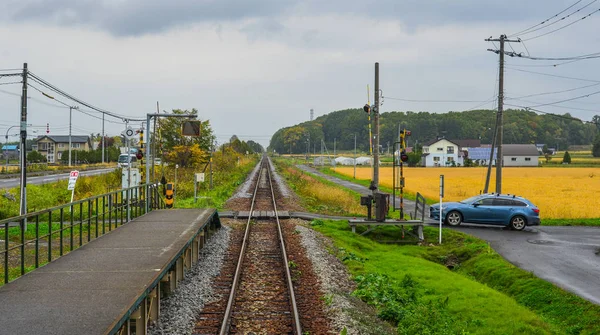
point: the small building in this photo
(10, 151)
(53, 147)
(520, 155)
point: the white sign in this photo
(72, 180)
(129, 132)
(200, 177)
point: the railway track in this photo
(260, 295)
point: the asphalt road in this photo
(566, 256)
(9, 183)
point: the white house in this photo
(520, 155)
(441, 152)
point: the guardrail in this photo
(35, 239)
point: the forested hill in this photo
(520, 127)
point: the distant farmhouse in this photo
(10, 151)
(53, 147)
(444, 152)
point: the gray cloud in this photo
(138, 17)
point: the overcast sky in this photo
(252, 67)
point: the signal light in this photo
(405, 132)
(367, 108)
(404, 157)
(139, 155)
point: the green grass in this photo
(435, 300)
(224, 185)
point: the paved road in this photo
(566, 256)
(9, 183)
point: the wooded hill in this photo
(520, 127)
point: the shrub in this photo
(566, 158)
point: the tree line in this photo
(520, 127)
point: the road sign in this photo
(200, 177)
(128, 133)
(72, 180)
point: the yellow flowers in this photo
(568, 193)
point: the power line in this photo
(548, 65)
(552, 114)
(79, 101)
(581, 57)
(546, 20)
(554, 75)
(442, 101)
(559, 106)
(12, 82)
(566, 100)
(555, 92)
(565, 26)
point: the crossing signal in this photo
(404, 156)
(367, 108)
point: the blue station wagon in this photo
(496, 209)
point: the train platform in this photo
(112, 285)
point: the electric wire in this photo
(555, 92)
(563, 27)
(546, 20)
(81, 102)
(441, 101)
(551, 114)
(12, 82)
(553, 75)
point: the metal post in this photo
(334, 142)
(102, 140)
(210, 164)
(23, 147)
(70, 120)
(354, 156)
(128, 171)
(148, 118)
(375, 184)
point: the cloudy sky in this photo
(252, 67)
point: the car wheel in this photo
(453, 218)
(518, 223)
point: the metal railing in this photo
(34, 239)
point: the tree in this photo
(566, 158)
(169, 137)
(596, 146)
(35, 157)
(187, 156)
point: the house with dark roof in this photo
(520, 155)
(53, 146)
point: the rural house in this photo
(520, 155)
(53, 147)
(444, 152)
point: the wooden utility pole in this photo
(499, 115)
(375, 183)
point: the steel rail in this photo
(288, 275)
(238, 270)
(227, 316)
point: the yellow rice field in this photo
(568, 193)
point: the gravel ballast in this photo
(179, 311)
(244, 191)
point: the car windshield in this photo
(123, 159)
(471, 199)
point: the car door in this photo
(479, 212)
(502, 210)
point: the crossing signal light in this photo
(139, 155)
(367, 108)
(404, 157)
(405, 132)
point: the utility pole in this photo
(23, 146)
(102, 140)
(354, 156)
(499, 116)
(334, 142)
(375, 182)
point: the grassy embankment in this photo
(462, 286)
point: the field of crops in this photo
(568, 193)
